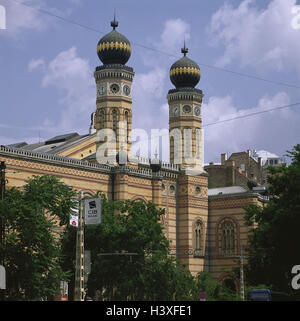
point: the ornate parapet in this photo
(52, 159)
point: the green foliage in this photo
(133, 227)
(274, 243)
(30, 248)
(150, 273)
(215, 290)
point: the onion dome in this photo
(184, 72)
(114, 48)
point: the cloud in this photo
(20, 18)
(254, 132)
(264, 39)
(72, 76)
(170, 42)
(36, 64)
(148, 90)
(150, 87)
(31, 15)
(173, 35)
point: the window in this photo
(114, 121)
(102, 119)
(127, 125)
(198, 235)
(198, 238)
(227, 238)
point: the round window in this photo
(172, 189)
(198, 190)
(187, 108)
(114, 88)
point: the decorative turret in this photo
(114, 48)
(184, 73)
(185, 122)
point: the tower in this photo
(113, 81)
(185, 131)
(185, 124)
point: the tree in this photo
(215, 290)
(150, 273)
(274, 242)
(31, 249)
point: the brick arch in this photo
(236, 228)
(229, 276)
(139, 198)
(86, 192)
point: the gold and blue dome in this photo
(185, 73)
(114, 48)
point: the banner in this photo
(92, 211)
(74, 220)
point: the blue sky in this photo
(46, 67)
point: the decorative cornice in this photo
(246, 194)
(167, 171)
(114, 71)
(192, 94)
(52, 159)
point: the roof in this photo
(226, 190)
(55, 145)
(264, 155)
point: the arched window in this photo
(227, 237)
(102, 119)
(187, 134)
(198, 134)
(114, 120)
(127, 125)
(198, 238)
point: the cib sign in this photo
(92, 211)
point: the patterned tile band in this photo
(113, 45)
(185, 70)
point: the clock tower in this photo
(185, 122)
(113, 82)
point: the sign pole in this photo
(79, 272)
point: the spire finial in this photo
(184, 50)
(114, 23)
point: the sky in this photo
(248, 52)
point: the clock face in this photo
(126, 90)
(102, 90)
(114, 88)
(197, 111)
(175, 110)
